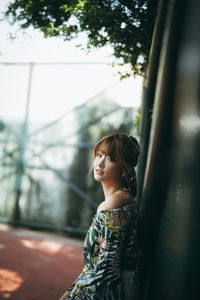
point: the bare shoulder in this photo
(120, 199)
(101, 207)
(116, 201)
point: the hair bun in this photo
(135, 150)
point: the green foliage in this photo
(138, 120)
(126, 25)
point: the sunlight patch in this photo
(45, 246)
(10, 281)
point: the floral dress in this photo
(110, 248)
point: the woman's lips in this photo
(99, 172)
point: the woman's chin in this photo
(98, 178)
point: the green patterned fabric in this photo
(110, 247)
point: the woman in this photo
(111, 251)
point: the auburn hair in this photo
(124, 150)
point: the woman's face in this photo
(106, 170)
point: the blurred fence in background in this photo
(44, 165)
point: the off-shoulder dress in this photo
(110, 248)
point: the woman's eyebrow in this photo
(100, 150)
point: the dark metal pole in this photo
(22, 147)
(149, 92)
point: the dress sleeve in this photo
(106, 271)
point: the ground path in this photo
(35, 265)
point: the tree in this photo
(126, 25)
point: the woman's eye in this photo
(110, 159)
(98, 155)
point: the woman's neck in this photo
(110, 190)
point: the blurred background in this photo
(56, 102)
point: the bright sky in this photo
(56, 88)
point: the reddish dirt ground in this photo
(36, 265)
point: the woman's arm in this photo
(106, 270)
(65, 296)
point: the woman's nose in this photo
(101, 162)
